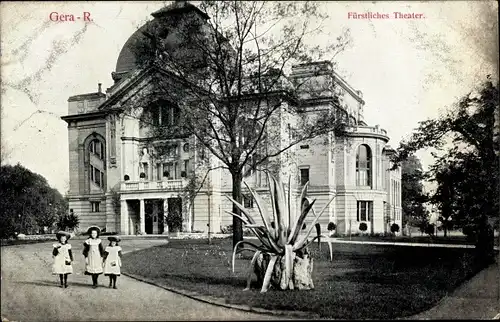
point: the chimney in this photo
(99, 90)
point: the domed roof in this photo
(126, 60)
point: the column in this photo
(142, 219)
(124, 217)
(165, 214)
(155, 217)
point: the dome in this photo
(126, 60)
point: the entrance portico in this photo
(147, 214)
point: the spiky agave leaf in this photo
(288, 263)
(318, 233)
(328, 241)
(291, 217)
(299, 222)
(281, 207)
(262, 212)
(269, 273)
(273, 205)
(250, 269)
(242, 242)
(296, 220)
(316, 217)
(265, 240)
(242, 209)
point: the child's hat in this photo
(61, 233)
(114, 238)
(91, 228)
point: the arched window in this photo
(95, 163)
(364, 166)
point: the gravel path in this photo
(29, 292)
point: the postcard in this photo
(234, 160)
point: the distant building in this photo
(120, 184)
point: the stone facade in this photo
(119, 183)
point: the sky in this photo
(409, 70)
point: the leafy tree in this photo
(467, 173)
(363, 226)
(412, 192)
(224, 66)
(27, 202)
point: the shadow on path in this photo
(56, 284)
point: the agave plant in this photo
(282, 242)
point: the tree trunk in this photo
(301, 272)
(485, 241)
(236, 194)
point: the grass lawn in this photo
(458, 240)
(13, 242)
(363, 281)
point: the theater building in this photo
(118, 182)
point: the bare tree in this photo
(223, 66)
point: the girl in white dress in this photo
(93, 252)
(63, 258)
(112, 260)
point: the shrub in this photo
(394, 228)
(108, 233)
(363, 227)
(142, 175)
(429, 229)
(174, 221)
(68, 221)
(331, 226)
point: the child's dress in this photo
(63, 259)
(113, 262)
(93, 252)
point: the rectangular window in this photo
(304, 176)
(364, 210)
(98, 150)
(362, 178)
(175, 171)
(167, 169)
(186, 166)
(97, 177)
(94, 206)
(159, 173)
(92, 173)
